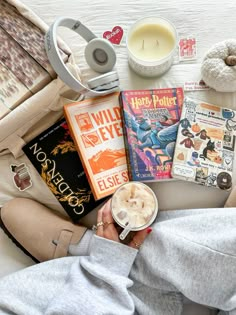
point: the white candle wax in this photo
(151, 44)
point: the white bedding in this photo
(209, 21)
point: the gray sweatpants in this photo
(190, 253)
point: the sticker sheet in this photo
(204, 151)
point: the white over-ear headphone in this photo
(99, 54)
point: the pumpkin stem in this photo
(230, 60)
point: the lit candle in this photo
(151, 43)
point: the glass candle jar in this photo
(151, 44)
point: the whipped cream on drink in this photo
(134, 203)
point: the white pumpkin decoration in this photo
(219, 66)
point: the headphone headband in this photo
(57, 62)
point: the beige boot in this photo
(231, 200)
(38, 231)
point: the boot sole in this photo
(5, 230)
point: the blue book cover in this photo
(151, 120)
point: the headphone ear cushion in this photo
(100, 55)
(104, 82)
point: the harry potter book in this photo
(151, 119)
(96, 127)
(54, 156)
(205, 144)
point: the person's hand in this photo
(106, 228)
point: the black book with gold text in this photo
(54, 156)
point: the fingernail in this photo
(149, 230)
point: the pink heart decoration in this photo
(114, 36)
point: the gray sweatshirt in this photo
(190, 253)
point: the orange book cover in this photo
(96, 128)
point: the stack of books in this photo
(141, 135)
